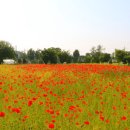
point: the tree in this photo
(88, 58)
(31, 55)
(49, 56)
(100, 49)
(24, 57)
(120, 55)
(76, 56)
(38, 56)
(65, 56)
(6, 51)
(82, 59)
(105, 57)
(58, 52)
(96, 54)
(127, 58)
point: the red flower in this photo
(107, 121)
(2, 114)
(114, 107)
(97, 112)
(53, 121)
(34, 98)
(50, 111)
(72, 108)
(102, 118)
(29, 103)
(17, 110)
(123, 118)
(40, 103)
(51, 126)
(25, 117)
(86, 122)
(65, 115)
(44, 95)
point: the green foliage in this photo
(127, 59)
(105, 57)
(82, 59)
(49, 56)
(76, 56)
(6, 51)
(57, 55)
(31, 54)
(65, 56)
(96, 54)
(88, 58)
(120, 55)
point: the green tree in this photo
(65, 56)
(31, 55)
(88, 58)
(38, 56)
(24, 57)
(105, 57)
(49, 56)
(96, 54)
(127, 58)
(120, 55)
(82, 59)
(76, 56)
(6, 51)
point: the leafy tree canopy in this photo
(6, 51)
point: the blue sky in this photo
(68, 24)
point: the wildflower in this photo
(30, 103)
(53, 121)
(86, 122)
(97, 112)
(2, 114)
(114, 107)
(65, 115)
(51, 126)
(102, 118)
(17, 110)
(40, 103)
(25, 117)
(123, 118)
(72, 108)
(107, 121)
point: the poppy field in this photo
(64, 97)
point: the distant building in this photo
(9, 61)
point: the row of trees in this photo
(56, 55)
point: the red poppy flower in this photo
(86, 122)
(123, 118)
(51, 126)
(29, 103)
(2, 114)
(114, 107)
(107, 121)
(102, 118)
(17, 110)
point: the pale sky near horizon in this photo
(68, 24)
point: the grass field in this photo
(64, 97)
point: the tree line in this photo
(57, 55)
